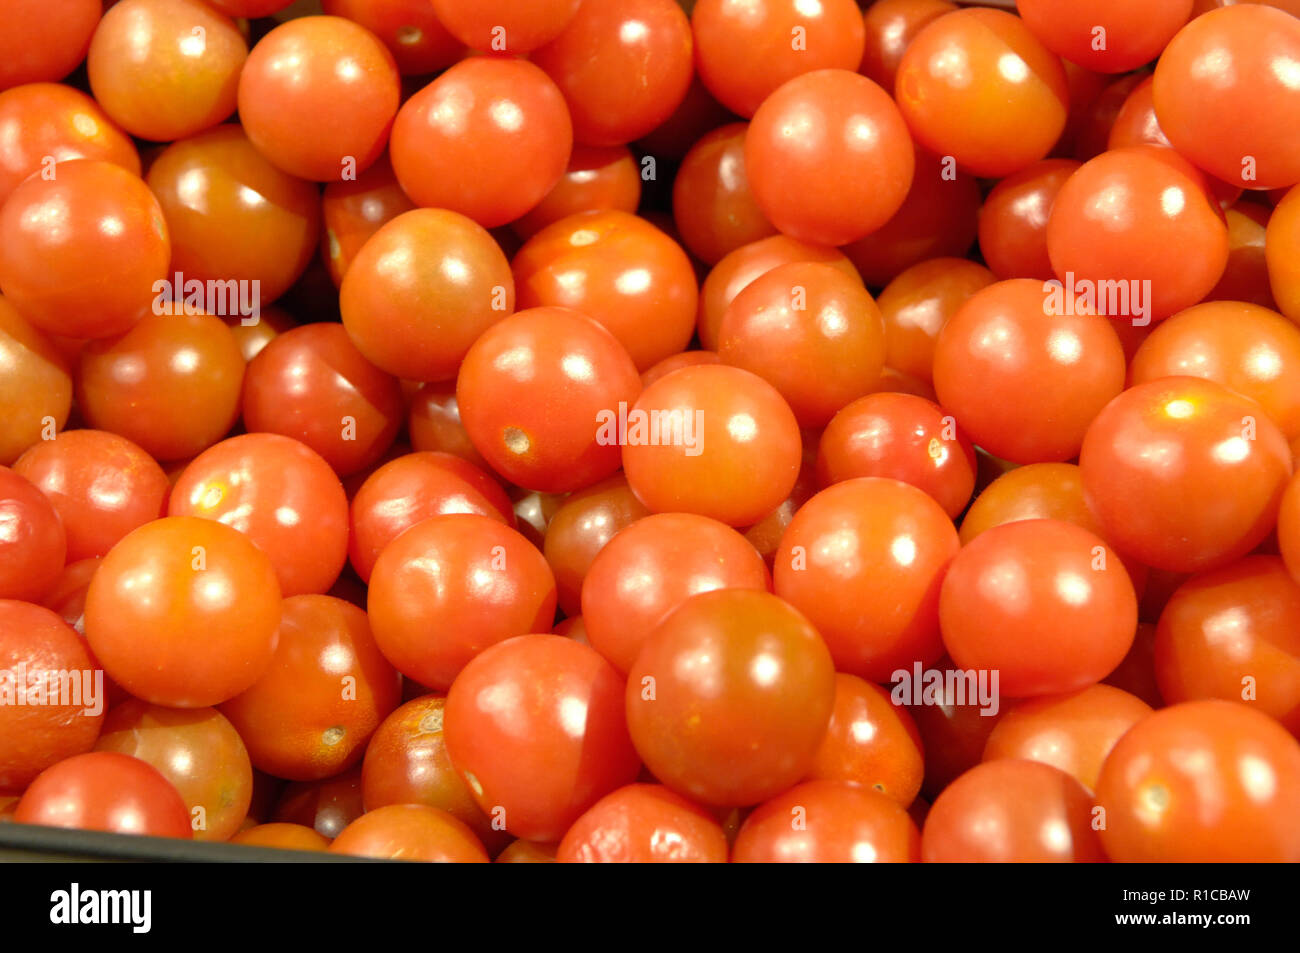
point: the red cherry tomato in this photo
(105, 791)
(828, 822)
(505, 26)
(33, 541)
(43, 43)
(414, 832)
(411, 30)
(644, 824)
(1108, 36)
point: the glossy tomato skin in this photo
(644, 824)
(581, 528)
(413, 488)
(1074, 732)
(36, 389)
(871, 742)
(847, 171)
(622, 65)
(597, 178)
(433, 423)
(739, 268)
(810, 331)
(1012, 811)
(902, 437)
(1261, 665)
(1111, 218)
(406, 762)
(414, 832)
(738, 461)
(879, 610)
(183, 612)
(1187, 784)
(40, 44)
(618, 269)
(411, 30)
(325, 806)
(102, 485)
(744, 52)
(650, 568)
(450, 587)
(488, 138)
(166, 69)
(283, 836)
(34, 737)
(355, 209)
(94, 277)
(1210, 500)
(34, 544)
(535, 391)
(730, 696)
(713, 206)
(256, 223)
(325, 692)
(1030, 398)
(1014, 584)
(49, 119)
(890, 26)
(561, 744)
(317, 97)
(171, 384)
(1249, 349)
(916, 305)
(421, 291)
(505, 26)
(1222, 91)
(105, 791)
(1281, 241)
(994, 127)
(838, 823)
(1107, 36)
(1013, 219)
(198, 751)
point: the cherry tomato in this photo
(1282, 240)
(433, 423)
(1044, 603)
(449, 587)
(410, 29)
(94, 275)
(904, 438)
(410, 832)
(644, 824)
(1259, 603)
(407, 763)
(597, 178)
(1025, 374)
(355, 209)
(744, 51)
(918, 303)
(489, 138)
(105, 791)
(171, 384)
(42, 42)
(282, 495)
(713, 205)
(421, 291)
(34, 737)
(183, 612)
(622, 65)
(535, 726)
(1073, 732)
(1108, 36)
(995, 125)
(730, 697)
(317, 97)
(198, 751)
(36, 389)
(864, 560)
(323, 806)
(713, 440)
(811, 332)
(1013, 219)
(1012, 811)
(1204, 781)
(283, 836)
(828, 822)
(848, 168)
(102, 485)
(1223, 92)
(890, 26)
(505, 26)
(33, 541)
(166, 69)
(653, 566)
(621, 271)
(253, 224)
(541, 393)
(580, 530)
(871, 742)
(1209, 496)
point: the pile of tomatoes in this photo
(643, 430)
